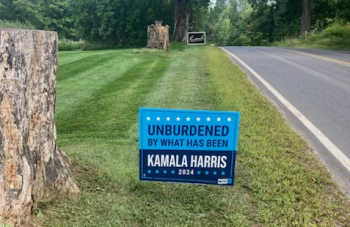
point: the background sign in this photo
(188, 146)
(194, 38)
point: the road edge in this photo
(302, 120)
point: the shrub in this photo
(68, 45)
(338, 30)
(16, 24)
(336, 36)
(100, 46)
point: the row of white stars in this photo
(189, 119)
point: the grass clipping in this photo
(278, 182)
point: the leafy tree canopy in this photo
(43, 14)
(259, 22)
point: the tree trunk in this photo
(32, 168)
(182, 15)
(158, 37)
(305, 17)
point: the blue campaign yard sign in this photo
(189, 146)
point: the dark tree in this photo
(305, 17)
(343, 9)
(182, 14)
(183, 9)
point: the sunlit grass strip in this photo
(336, 36)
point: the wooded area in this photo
(260, 22)
(123, 23)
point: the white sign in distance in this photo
(196, 38)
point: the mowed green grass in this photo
(279, 182)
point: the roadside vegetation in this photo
(279, 182)
(336, 37)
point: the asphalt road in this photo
(317, 84)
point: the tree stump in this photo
(32, 168)
(158, 36)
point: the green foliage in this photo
(16, 24)
(338, 30)
(122, 23)
(43, 14)
(285, 16)
(260, 22)
(2, 225)
(324, 12)
(230, 24)
(68, 45)
(119, 22)
(100, 46)
(199, 18)
(336, 36)
(343, 10)
(224, 30)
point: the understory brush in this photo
(68, 45)
(16, 24)
(336, 36)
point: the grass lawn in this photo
(279, 182)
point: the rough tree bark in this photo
(32, 168)
(182, 15)
(305, 17)
(158, 37)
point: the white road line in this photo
(332, 148)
